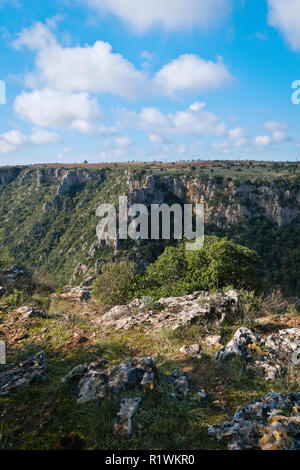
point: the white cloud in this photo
(97, 69)
(262, 141)
(156, 139)
(276, 126)
(220, 145)
(56, 109)
(36, 38)
(123, 141)
(191, 73)
(91, 68)
(40, 136)
(14, 139)
(239, 137)
(285, 16)
(279, 130)
(170, 15)
(280, 136)
(194, 121)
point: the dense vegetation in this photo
(220, 263)
(52, 242)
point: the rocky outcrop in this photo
(11, 273)
(24, 373)
(96, 382)
(270, 423)
(227, 202)
(77, 294)
(175, 312)
(75, 178)
(268, 356)
(195, 350)
(8, 175)
(26, 313)
(242, 345)
(68, 181)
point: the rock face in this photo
(123, 423)
(226, 201)
(175, 312)
(27, 372)
(96, 382)
(77, 177)
(270, 423)
(269, 355)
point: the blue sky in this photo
(119, 80)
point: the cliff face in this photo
(7, 175)
(48, 215)
(226, 202)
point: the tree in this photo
(220, 263)
(112, 287)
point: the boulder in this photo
(195, 351)
(24, 373)
(181, 384)
(96, 382)
(241, 345)
(272, 422)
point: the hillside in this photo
(48, 220)
(146, 345)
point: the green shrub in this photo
(112, 287)
(218, 264)
(15, 299)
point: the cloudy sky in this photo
(119, 80)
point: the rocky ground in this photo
(197, 372)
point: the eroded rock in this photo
(24, 373)
(241, 345)
(272, 422)
(123, 423)
(213, 340)
(96, 382)
(79, 294)
(175, 312)
(181, 384)
(268, 356)
(29, 312)
(194, 350)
